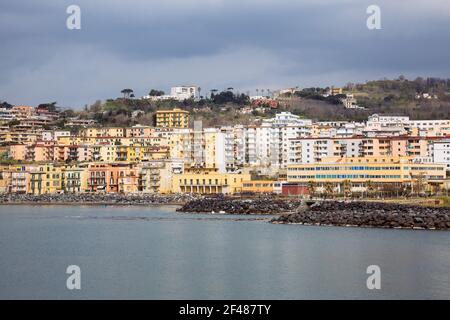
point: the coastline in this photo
(362, 214)
(95, 199)
(94, 204)
(369, 215)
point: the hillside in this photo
(419, 99)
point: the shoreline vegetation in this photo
(349, 213)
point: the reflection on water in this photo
(154, 252)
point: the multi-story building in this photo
(128, 180)
(175, 118)
(75, 178)
(46, 179)
(18, 152)
(208, 181)
(363, 171)
(17, 179)
(140, 131)
(103, 177)
(259, 186)
(441, 152)
(185, 92)
(268, 144)
(115, 132)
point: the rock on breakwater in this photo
(90, 198)
(238, 206)
(370, 214)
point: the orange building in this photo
(113, 177)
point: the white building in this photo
(441, 152)
(185, 92)
(54, 135)
(233, 147)
(376, 120)
(312, 150)
(386, 125)
(178, 93)
(350, 102)
(427, 125)
(268, 144)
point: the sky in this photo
(216, 44)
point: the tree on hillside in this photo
(229, 97)
(156, 93)
(127, 92)
(213, 92)
(50, 107)
(5, 105)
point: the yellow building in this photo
(259, 186)
(363, 171)
(46, 179)
(208, 181)
(4, 178)
(18, 152)
(175, 118)
(335, 91)
(14, 178)
(75, 178)
(116, 132)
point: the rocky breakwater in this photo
(369, 214)
(223, 205)
(89, 198)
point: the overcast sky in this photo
(245, 44)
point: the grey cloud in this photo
(214, 43)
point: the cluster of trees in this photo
(6, 105)
(403, 85)
(372, 189)
(50, 107)
(127, 93)
(228, 96)
(318, 94)
(156, 93)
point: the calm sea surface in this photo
(156, 253)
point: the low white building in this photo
(376, 120)
(185, 92)
(179, 93)
(441, 152)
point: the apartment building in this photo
(268, 144)
(175, 118)
(156, 176)
(17, 178)
(362, 171)
(200, 147)
(441, 152)
(114, 132)
(46, 179)
(75, 178)
(181, 93)
(312, 150)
